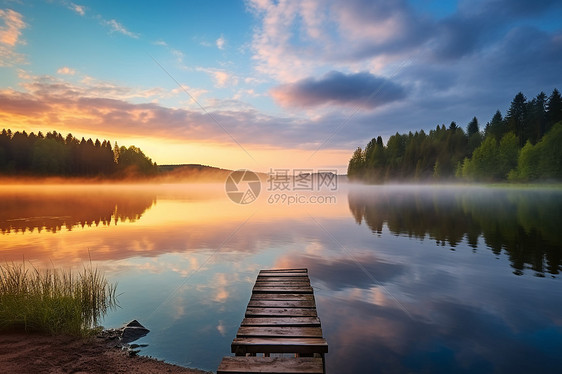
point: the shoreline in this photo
(33, 352)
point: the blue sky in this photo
(269, 84)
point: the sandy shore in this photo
(34, 353)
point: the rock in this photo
(110, 334)
(135, 346)
(133, 331)
(134, 323)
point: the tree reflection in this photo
(22, 211)
(524, 224)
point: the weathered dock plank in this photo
(281, 296)
(279, 332)
(281, 321)
(287, 289)
(282, 279)
(283, 284)
(271, 365)
(281, 303)
(281, 312)
(279, 345)
(282, 275)
(298, 270)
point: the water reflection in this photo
(52, 208)
(395, 302)
(390, 299)
(524, 224)
(417, 315)
(153, 220)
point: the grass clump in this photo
(53, 301)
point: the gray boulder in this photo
(133, 331)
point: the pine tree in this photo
(536, 118)
(356, 164)
(472, 127)
(496, 127)
(554, 110)
(516, 116)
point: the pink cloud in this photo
(222, 78)
(10, 33)
(13, 24)
(295, 40)
(103, 108)
(65, 70)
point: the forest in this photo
(23, 154)
(525, 145)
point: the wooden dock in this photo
(280, 319)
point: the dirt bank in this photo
(36, 353)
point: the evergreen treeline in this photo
(23, 154)
(525, 145)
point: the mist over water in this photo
(406, 278)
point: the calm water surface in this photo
(407, 279)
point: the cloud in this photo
(10, 32)
(271, 42)
(178, 55)
(105, 109)
(20, 104)
(194, 92)
(65, 70)
(358, 90)
(245, 93)
(221, 78)
(297, 40)
(220, 42)
(117, 27)
(80, 9)
(378, 28)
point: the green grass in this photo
(53, 301)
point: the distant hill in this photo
(203, 173)
(189, 167)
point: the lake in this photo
(421, 279)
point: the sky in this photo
(262, 84)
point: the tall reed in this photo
(53, 300)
